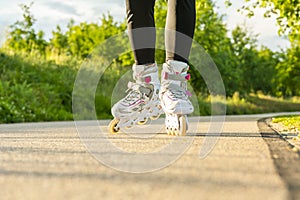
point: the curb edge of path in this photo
(286, 160)
(294, 145)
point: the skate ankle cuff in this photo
(145, 74)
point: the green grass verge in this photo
(291, 123)
(254, 103)
(288, 120)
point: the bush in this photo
(34, 91)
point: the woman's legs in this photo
(141, 27)
(173, 94)
(180, 28)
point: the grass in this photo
(254, 103)
(291, 123)
(34, 90)
(288, 120)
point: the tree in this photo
(212, 34)
(286, 11)
(22, 36)
(58, 41)
(82, 39)
(287, 79)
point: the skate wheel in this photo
(143, 122)
(168, 131)
(176, 133)
(113, 126)
(154, 117)
(182, 126)
(171, 132)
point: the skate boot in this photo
(174, 97)
(141, 102)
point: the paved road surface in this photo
(49, 161)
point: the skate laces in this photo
(136, 92)
(177, 94)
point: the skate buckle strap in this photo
(183, 77)
(177, 76)
(146, 79)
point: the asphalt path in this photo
(55, 160)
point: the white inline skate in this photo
(174, 97)
(142, 101)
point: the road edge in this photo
(286, 137)
(286, 160)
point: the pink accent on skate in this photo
(165, 75)
(148, 79)
(170, 98)
(188, 77)
(137, 102)
(189, 93)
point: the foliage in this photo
(291, 123)
(286, 11)
(287, 79)
(23, 37)
(288, 120)
(286, 76)
(34, 91)
(37, 75)
(253, 103)
(77, 42)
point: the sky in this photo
(50, 13)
